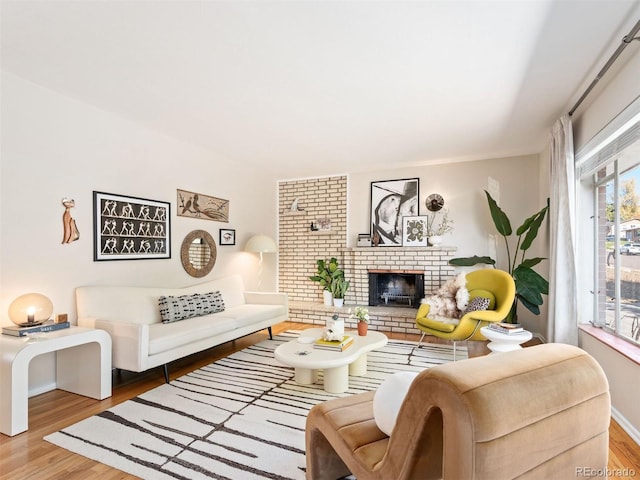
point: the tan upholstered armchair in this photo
(539, 412)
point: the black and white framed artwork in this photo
(391, 200)
(130, 228)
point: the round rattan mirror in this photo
(198, 253)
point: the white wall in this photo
(624, 377)
(54, 147)
(462, 186)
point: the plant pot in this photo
(338, 302)
(327, 297)
(435, 240)
(363, 327)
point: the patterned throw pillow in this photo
(478, 303)
(182, 307)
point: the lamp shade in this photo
(30, 309)
(261, 244)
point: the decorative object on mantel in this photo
(434, 204)
(362, 314)
(129, 228)
(30, 309)
(414, 231)
(435, 233)
(196, 205)
(71, 233)
(326, 273)
(390, 201)
(530, 285)
(364, 240)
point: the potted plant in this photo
(327, 272)
(362, 314)
(435, 233)
(339, 287)
(530, 285)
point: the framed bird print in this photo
(197, 205)
(130, 228)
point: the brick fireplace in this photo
(431, 262)
(300, 247)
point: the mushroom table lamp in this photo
(261, 244)
(30, 309)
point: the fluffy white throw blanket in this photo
(448, 302)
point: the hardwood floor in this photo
(28, 456)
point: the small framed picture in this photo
(227, 236)
(414, 231)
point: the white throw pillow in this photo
(388, 399)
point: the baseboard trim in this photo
(40, 389)
(626, 425)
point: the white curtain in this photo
(563, 323)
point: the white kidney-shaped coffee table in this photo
(337, 366)
(505, 342)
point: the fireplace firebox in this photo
(396, 288)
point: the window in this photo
(612, 168)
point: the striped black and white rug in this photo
(242, 417)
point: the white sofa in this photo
(141, 341)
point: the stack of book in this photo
(23, 331)
(335, 345)
(507, 328)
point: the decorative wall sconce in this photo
(434, 202)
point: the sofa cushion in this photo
(479, 292)
(476, 305)
(248, 313)
(168, 336)
(173, 309)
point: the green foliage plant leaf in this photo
(532, 232)
(471, 261)
(327, 272)
(500, 219)
(532, 262)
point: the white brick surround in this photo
(434, 261)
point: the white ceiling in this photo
(323, 87)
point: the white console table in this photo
(83, 366)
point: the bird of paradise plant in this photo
(530, 285)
